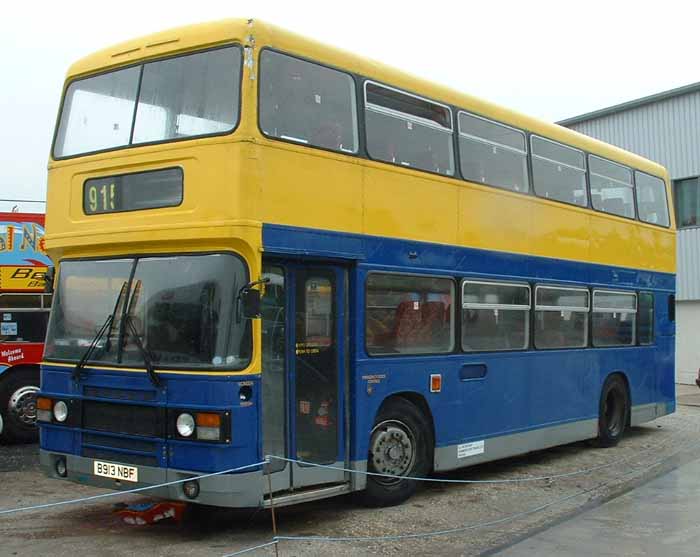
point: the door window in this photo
(273, 365)
(316, 367)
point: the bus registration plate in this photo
(116, 471)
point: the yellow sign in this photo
(22, 278)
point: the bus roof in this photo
(202, 35)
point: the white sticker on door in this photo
(470, 449)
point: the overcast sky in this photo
(548, 59)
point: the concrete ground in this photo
(661, 517)
(645, 454)
(688, 395)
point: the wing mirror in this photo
(249, 306)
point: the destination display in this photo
(133, 192)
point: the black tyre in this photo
(18, 389)
(401, 444)
(613, 412)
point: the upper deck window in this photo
(408, 130)
(307, 103)
(611, 187)
(558, 172)
(182, 97)
(651, 199)
(493, 154)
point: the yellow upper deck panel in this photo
(245, 179)
(163, 43)
(202, 35)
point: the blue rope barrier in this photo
(251, 549)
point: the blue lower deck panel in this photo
(545, 396)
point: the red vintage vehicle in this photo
(24, 311)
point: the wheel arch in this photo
(419, 401)
(18, 368)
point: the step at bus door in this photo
(304, 356)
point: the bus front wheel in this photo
(18, 389)
(613, 411)
(400, 445)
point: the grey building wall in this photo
(666, 130)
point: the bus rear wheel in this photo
(613, 412)
(18, 390)
(400, 445)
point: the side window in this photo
(614, 318)
(20, 301)
(495, 316)
(558, 172)
(409, 314)
(645, 318)
(612, 190)
(561, 317)
(318, 317)
(307, 103)
(407, 130)
(23, 326)
(651, 199)
(492, 153)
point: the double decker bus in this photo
(24, 313)
(267, 246)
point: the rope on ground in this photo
(253, 548)
(128, 491)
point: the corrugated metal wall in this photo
(688, 264)
(668, 132)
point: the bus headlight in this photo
(185, 424)
(60, 411)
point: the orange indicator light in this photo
(208, 420)
(435, 383)
(44, 403)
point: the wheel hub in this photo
(22, 405)
(393, 449)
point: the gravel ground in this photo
(94, 529)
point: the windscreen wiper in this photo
(106, 327)
(145, 354)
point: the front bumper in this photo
(242, 490)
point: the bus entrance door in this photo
(303, 375)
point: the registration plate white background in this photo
(116, 471)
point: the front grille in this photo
(119, 443)
(119, 394)
(121, 458)
(146, 421)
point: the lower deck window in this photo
(408, 314)
(561, 317)
(645, 318)
(495, 316)
(614, 318)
